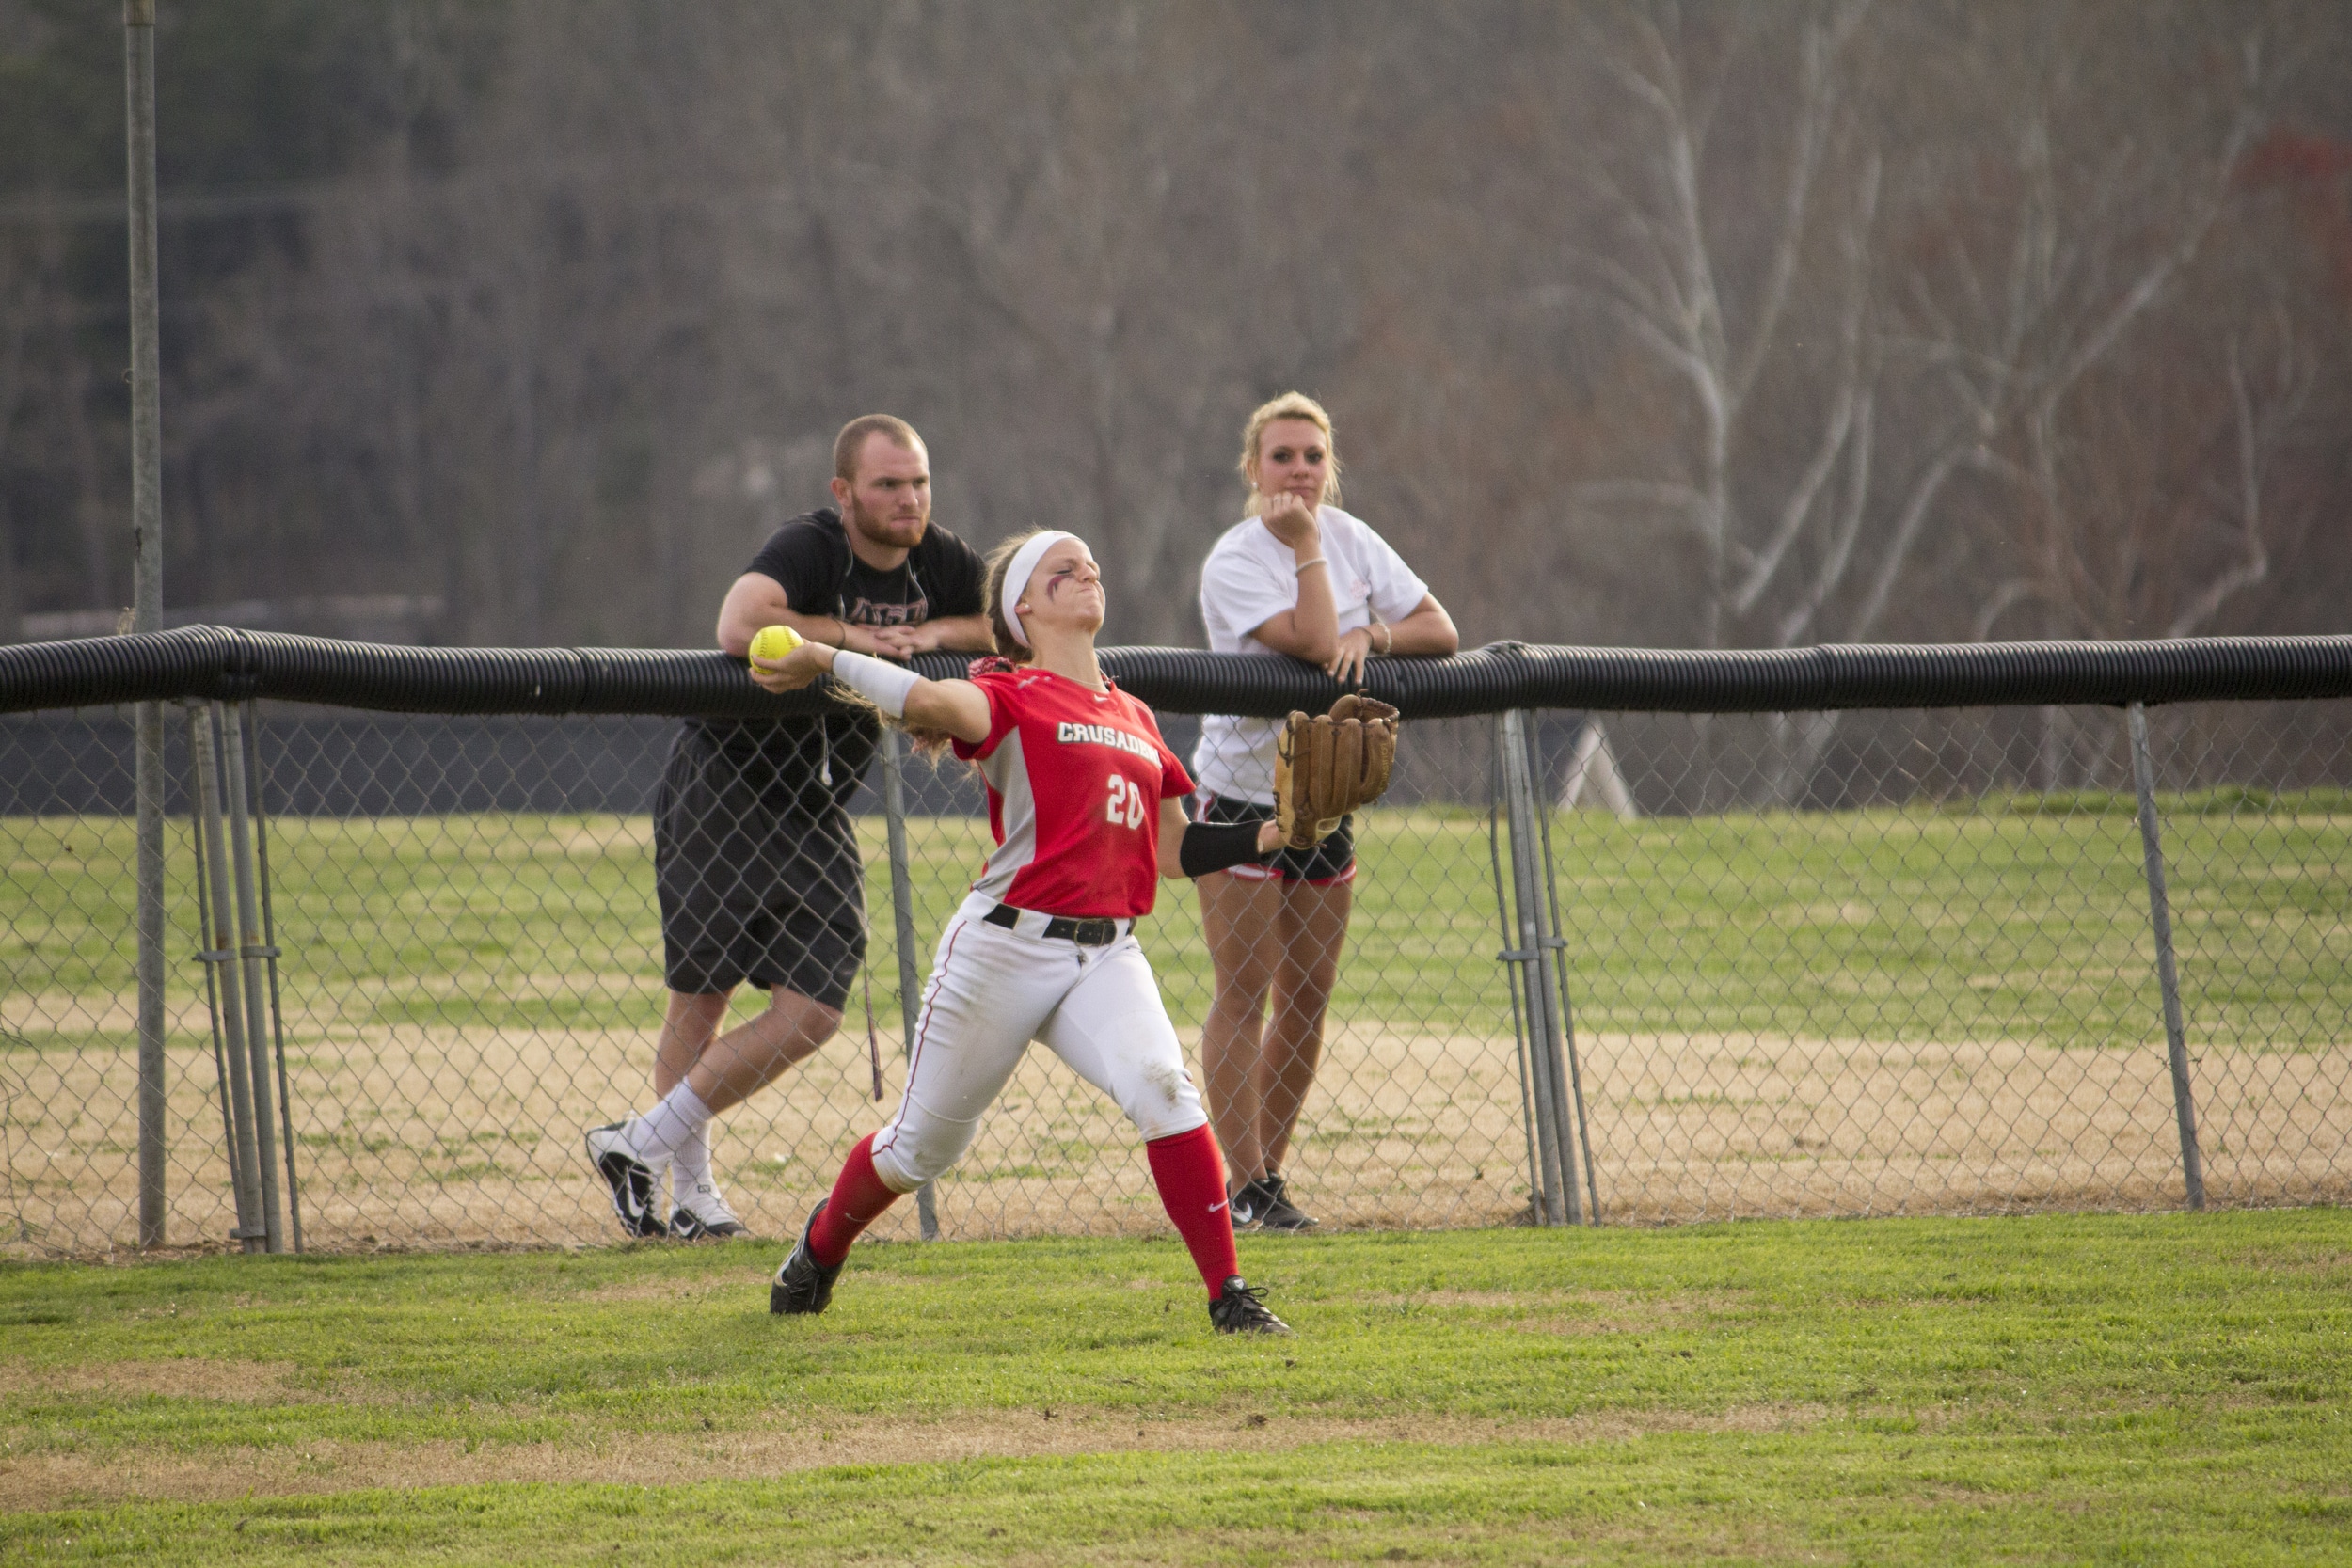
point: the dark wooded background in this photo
(1738, 324)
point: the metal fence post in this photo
(146, 596)
(153, 1087)
(1542, 973)
(1555, 947)
(2167, 973)
(270, 955)
(893, 751)
(221, 955)
(1553, 1137)
(210, 954)
(1537, 1205)
(1542, 1200)
(250, 954)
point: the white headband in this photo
(1017, 576)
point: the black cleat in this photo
(804, 1284)
(1277, 1212)
(1241, 1309)
(1247, 1205)
(631, 1179)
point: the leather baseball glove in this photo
(1326, 766)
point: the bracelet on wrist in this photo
(1311, 561)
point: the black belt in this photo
(1094, 932)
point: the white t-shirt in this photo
(1250, 577)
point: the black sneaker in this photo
(1279, 1213)
(631, 1179)
(804, 1284)
(1241, 1309)
(1247, 1205)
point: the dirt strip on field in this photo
(791, 1442)
(412, 1134)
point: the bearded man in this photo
(755, 857)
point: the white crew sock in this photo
(660, 1134)
(690, 1166)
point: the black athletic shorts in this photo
(1332, 861)
(750, 893)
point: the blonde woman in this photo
(1296, 576)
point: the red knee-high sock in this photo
(1190, 1174)
(858, 1201)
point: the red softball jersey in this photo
(1076, 778)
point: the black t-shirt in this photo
(789, 760)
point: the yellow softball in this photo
(772, 642)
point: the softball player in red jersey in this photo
(1085, 801)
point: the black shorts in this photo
(1332, 861)
(750, 893)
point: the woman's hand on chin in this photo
(1289, 518)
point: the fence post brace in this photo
(2167, 972)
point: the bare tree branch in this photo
(1913, 512)
(1798, 623)
(2254, 564)
(1853, 383)
(1817, 105)
(2158, 276)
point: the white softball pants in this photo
(992, 992)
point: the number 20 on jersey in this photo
(1127, 804)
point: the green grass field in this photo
(2057, 1389)
(1938, 1008)
(2016, 919)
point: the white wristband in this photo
(886, 683)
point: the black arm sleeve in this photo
(1208, 847)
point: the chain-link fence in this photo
(1878, 962)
